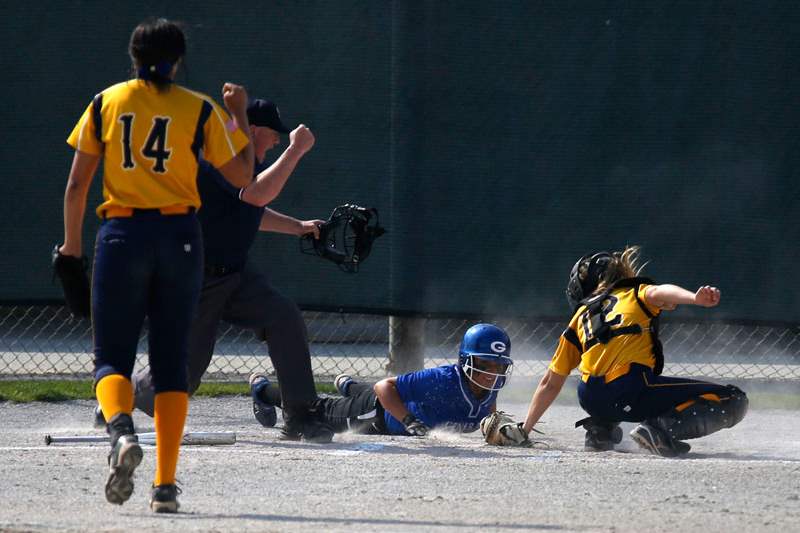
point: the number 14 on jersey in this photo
(155, 147)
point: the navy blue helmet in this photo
(585, 277)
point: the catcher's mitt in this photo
(346, 237)
(72, 271)
(499, 429)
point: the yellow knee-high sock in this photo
(115, 395)
(170, 415)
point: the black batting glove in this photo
(414, 426)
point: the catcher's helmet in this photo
(585, 276)
(486, 342)
(346, 237)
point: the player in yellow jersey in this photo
(150, 133)
(613, 341)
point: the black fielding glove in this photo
(72, 272)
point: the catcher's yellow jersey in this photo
(617, 334)
(151, 142)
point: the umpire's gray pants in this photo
(245, 299)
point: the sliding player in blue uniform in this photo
(451, 397)
(613, 341)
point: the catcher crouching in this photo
(612, 339)
(452, 397)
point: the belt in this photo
(125, 212)
(216, 271)
(611, 375)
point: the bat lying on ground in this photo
(199, 438)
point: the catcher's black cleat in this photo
(601, 439)
(264, 411)
(601, 436)
(342, 384)
(656, 441)
(123, 459)
(164, 498)
(99, 420)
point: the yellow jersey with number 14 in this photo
(151, 141)
(617, 333)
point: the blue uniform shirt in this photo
(229, 224)
(440, 397)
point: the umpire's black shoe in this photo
(317, 432)
(292, 432)
(164, 498)
(310, 431)
(306, 424)
(264, 412)
(123, 459)
(99, 420)
(656, 441)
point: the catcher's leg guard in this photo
(601, 435)
(705, 416)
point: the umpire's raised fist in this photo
(235, 97)
(302, 138)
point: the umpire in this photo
(236, 291)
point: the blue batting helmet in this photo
(486, 343)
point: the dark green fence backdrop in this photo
(499, 140)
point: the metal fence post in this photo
(406, 344)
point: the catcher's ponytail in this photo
(623, 265)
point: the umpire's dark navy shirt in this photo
(229, 224)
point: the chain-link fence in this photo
(44, 341)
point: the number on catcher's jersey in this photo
(597, 325)
(154, 147)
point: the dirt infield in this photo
(743, 479)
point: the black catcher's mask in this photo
(346, 237)
(585, 277)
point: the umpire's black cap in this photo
(265, 114)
